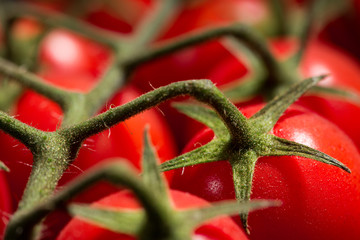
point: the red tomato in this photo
(344, 73)
(196, 62)
(118, 15)
(64, 51)
(124, 140)
(218, 229)
(5, 202)
(314, 195)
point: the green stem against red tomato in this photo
(243, 150)
(160, 221)
(53, 151)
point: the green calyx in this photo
(256, 142)
(159, 220)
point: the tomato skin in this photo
(6, 207)
(76, 54)
(117, 15)
(43, 114)
(218, 229)
(196, 62)
(314, 195)
(125, 140)
(319, 58)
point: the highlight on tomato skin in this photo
(319, 58)
(77, 54)
(314, 195)
(222, 228)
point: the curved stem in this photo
(241, 32)
(26, 134)
(306, 29)
(58, 20)
(202, 90)
(154, 23)
(23, 222)
(111, 81)
(32, 81)
(279, 13)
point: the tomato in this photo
(117, 15)
(124, 140)
(218, 229)
(319, 58)
(196, 62)
(314, 195)
(76, 54)
(5, 202)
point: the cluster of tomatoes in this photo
(318, 201)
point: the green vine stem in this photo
(203, 90)
(27, 79)
(280, 15)
(152, 25)
(131, 59)
(53, 152)
(23, 222)
(29, 136)
(104, 37)
(242, 155)
(241, 32)
(161, 221)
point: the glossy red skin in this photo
(6, 208)
(196, 62)
(319, 201)
(46, 115)
(76, 54)
(218, 229)
(119, 16)
(319, 58)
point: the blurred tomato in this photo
(218, 229)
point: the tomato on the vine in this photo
(123, 140)
(76, 54)
(218, 229)
(196, 62)
(318, 201)
(319, 58)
